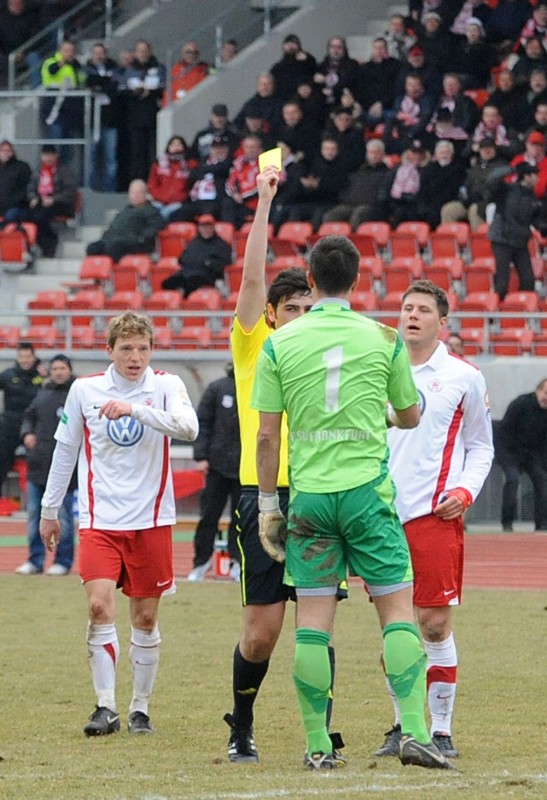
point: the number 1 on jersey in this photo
(333, 359)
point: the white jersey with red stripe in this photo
(124, 472)
(452, 445)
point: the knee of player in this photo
(435, 624)
(258, 645)
(100, 612)
(144, 620)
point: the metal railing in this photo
(90, 122)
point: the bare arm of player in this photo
(252, 294)
(404, 417)
(268, 442)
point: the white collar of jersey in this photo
(338, 301)
(117, 381)
(435, 361)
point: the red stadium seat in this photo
(480, 246)
(161, 270)
(233, 275)
(401, 272)
(481, 303)
(479, 275)
(512, 341)
(365, 244)
(420, 230)
(446, 273)
(444, 245)
(292, 237)
(163, 301)
(125, 301)
(10, 335)
(379, 231)
(208, 300)
(52, 300)
(226, 231)
(460, 230)
(174, 237)
(82, 337)
(43, 336)
(192, 337)
(525, 302)
(364, 301)
(88, 299)
(391, 302)
(130, 272)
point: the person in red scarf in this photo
(187, 72)
(52, 193)
(168, 179)
(241, 193)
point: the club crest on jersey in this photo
(125, 432)
(435, 385)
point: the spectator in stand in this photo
(202, 261)
(133, 229)
(511, 102)
(474, 58)
(358, 201)
(188, 71)
(349, 136)
(143, 83)
(534, 154)
(288, 187)
(219, 125)
(294, 66)
(264, 102)
(125, 60)
(320, 185)
(168, 179)
(532, 94)
(375, 83)
(399, 40)
(440, 183)
(38, 427)
(455, 344)
(491, 126)
(241, 198)
(473, 194)
(101, 72)
(61, 114)
(434, 41)
(534, 57)
(521, 446)
(517, 209)
(400, 189)
(336, 72)
(505, 22)
(217, 451)
(52, 192)
(416, 65)
(312, 102)
(540, 119)
(535, 26)
(20, 384)
(206, 183)
(14, 180)
(411, 113)
(348, 101)
(228, 51)
(255, 125)
(455, 116)
(19, 22)
(456, 14)
(301, 135)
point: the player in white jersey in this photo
(438, 469)
(117, 425)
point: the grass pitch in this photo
(500, 725)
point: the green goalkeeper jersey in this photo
(333, 371)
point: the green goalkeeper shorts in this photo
(355, 531)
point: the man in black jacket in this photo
(217, 451)
(203, 261)
(20, 384)
(39, 424)
(517, 208)
(521, 446)
(14, 180)
(101, 72)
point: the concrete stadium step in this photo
(64, 268)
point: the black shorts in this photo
(261, 576)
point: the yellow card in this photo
(271, 158)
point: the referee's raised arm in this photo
(251, 300)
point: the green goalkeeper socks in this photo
(312, 678)
(405, 665)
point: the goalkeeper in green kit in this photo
(334, 372)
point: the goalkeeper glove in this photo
(272, 526)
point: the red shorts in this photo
(141, 562)
(436, 550)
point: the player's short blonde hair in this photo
(127, 325)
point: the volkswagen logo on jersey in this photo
(421, 401)
(125, 432)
